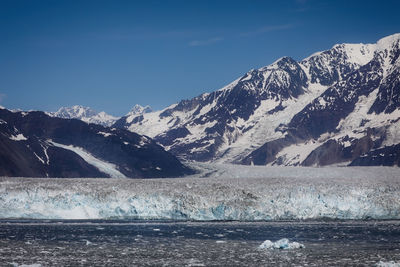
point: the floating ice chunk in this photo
(26, 265)
(388, 264)
(280, 244)
(267, 244)
(195, 262)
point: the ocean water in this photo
(168, 243)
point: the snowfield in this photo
(226, 192)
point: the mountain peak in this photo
(359, 54)
(279, 63)
(75, 112)
(85, 114)
(138, 110)
(388, 40)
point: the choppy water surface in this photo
(149, 243)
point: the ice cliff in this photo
(341, 196)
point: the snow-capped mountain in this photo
(334, 107)
(33, 144)
(85, 114)
(135, 113)
(139, 110)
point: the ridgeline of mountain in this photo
(89, 115)
(338, 106)
(85, 114)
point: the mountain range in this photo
(85, 114)
(89, 115)
(335, 107)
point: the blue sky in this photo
(110, 55)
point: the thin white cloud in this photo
(2, 96)
(302, 9)
(206, 42)
(126, 35)
(265, 29)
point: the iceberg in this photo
(280, 244)
(26, 265)
(292, 197)
(388, 264)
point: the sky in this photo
(111, 55)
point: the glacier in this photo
(221, 192)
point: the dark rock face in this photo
(388, 98)
(332, 152)
(169, 137)
(27, 149)
(337, 102)
(267, 153)
(386, 156)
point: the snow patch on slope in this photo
(39, 158)
(18, 137)
(295, 154)
(101, 165)
(45, 153)
(105, 134)
(146, 127)
(355, 124)
(359, 54)
(360, 113)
